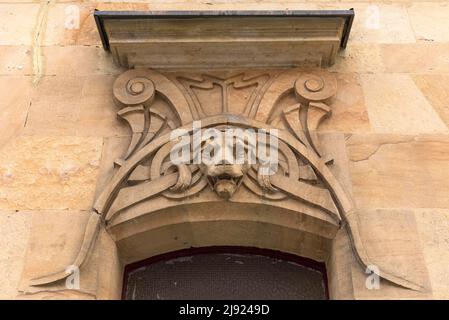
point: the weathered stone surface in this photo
(14, 231)
(55, 240)
(429, 21)
(428, 57)
(391, 240)
(110, 270)
(62, 87)
(98, 117)
(71, 24)
(205, 5)
(51, 115)
(348, 108)
(386, 291)
(398, 171)
(338, 265)
(415, 58)
(98, 85)
(18, 23)
(55, 106)
(433, 226)
(384, 23)
(436, 90)
(14, 105)
(113, 148)
(49, 172)
(15, 60)
(77, 61)
(359, 58)
(379, 23)
(333, 146)
(74, 106)
(395, 105)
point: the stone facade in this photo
(388, 136)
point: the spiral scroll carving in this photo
(315, 87)
(133, 88)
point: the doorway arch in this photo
(258, 229)
(225, 272)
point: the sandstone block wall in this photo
(57, 115)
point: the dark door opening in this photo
(225, 273)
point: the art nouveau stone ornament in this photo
(290, 104)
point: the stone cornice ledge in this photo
(224, 39)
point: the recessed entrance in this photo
(225, 273)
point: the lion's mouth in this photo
(224, 179)
(214, 180)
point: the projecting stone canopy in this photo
(224, 39)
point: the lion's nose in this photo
(224, 162)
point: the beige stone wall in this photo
(57, 116)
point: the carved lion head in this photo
(225, 178)
(223, 174)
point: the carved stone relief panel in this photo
(163, 111)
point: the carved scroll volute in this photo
(319, 86)
(315, 90)
(134, 93)
(132, 88)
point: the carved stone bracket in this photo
(155, 105)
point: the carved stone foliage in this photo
(289, 105)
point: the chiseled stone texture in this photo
(433, 226)
(14, 233)
(49, 172)
(399, 171)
